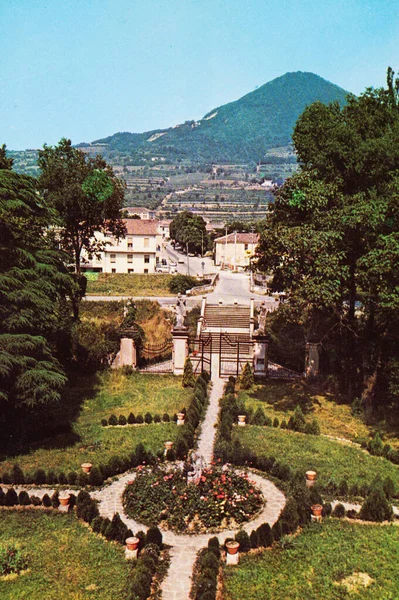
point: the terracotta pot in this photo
(86, 467)
(168, 445)
(232, 547)
(317, 509)
(311, 475)
(64, 500)
(132, 543)
(181, 416)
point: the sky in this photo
(85, 69)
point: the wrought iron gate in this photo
(201, 354)
(156, 357)
(234, 351)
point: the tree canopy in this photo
(332, 239)
(189, 230)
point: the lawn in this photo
(130, 284)
(113, 393)
(279, 400)
(66, 561)
(332, 460)
(318, 562)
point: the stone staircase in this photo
(227, 317)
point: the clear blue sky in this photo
(84, 69)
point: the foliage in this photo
(12, 560)
(219, 495)
(376, 506)
(188, 374)
(189, 230)
(246, 379)
(130, 284)
(179, 284)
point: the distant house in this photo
(163, 228)
(140, 211)
(135, 253)
(235, 250)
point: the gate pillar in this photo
(260, 355)
(180, 349)
(127, 354)
(312, 359)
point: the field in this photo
(130, 284)
(316, 565)
(66, 561)
(332, 460)
(111, 393)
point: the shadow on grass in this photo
(48, 426)
(285, 397)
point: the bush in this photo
(313, 428)
(277, 531)
(34, 500)
(154, 536)
(17, 475)
(157, 418)
(327, 509)
(254, 539)
(243, 539)
(39, 477)
(165, 418)
(122, 420)
(297, 421)
(259, 417)
(375, 446)
(289, 516)
(11, 560)
(131, 419)
(182, 448)
(388, 487)
(72, 477)
(276, 422)
(23, 498)
(139, 419)
(11, 497)
(265, 535)
(214, 546)
(246, 377)
(96, 477)
(104, 422)
(283, 424)
(113, 420)
(339, 511)
(343, 489)
(376, 506)
(55, 500)
(46, 501)
(96, 524)
(188, 375)
(62, 478)
(179, 284)
(148, 418)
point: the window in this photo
(145, 270)
(130, 258)
(130, 242)
(146, 242)
(146, 259)
(130, 270)
(112, 258)
(113, 270)
(245, 246)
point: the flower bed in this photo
(218, 499)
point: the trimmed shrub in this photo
(157, 418)
(23, 498)
(297, 420)
(83, 479)
(170, 455)
(51, 477)
(388, 487)
(313, 428)
(46, 501)
(17, 475)
(35, 500)
(277, 531)
(375, 446)
(2, 497)
(72, 477)
(243, 539)
(139, 419)
(154, 536)
(11, 497)
(104, 525)
(254, 539)
(96, 524)
(62, 478)
(283, 424)
(343, 488)
(122, 420)
(214, 546)
(96, 477)
(352, 514)
(104, 422)
(188, 375)
(246, 377)
(289, 516)
(327, 509)
(276, 422)
(339, 511)
(259, 417)
(148, 418)
(55, 500)
(376, 506)
(165, 418)
(113, 420)
(265, 535)
(131, 419)
(39, 477)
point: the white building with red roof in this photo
(235, 250)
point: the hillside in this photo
(243, 130)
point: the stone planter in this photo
(316, 509)
(232, 547)
(132, 543)
(241, 420)
(64, 499)
(86, 467)
(180, 418)
(310, 478)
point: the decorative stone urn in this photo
(168, 445)
(180, 418)
(316, 509)
(64, 499)
(86, 467)
(132, 543)
(232, 547)
(310, 478)
(241, 420)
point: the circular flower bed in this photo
(217, 499)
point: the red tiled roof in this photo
(240, 238)
(140, 226)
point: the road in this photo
(188, 265)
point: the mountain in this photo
(243, 130)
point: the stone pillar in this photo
(252, 317)
(260, 357)
(127, 354)
(180, 349)
(312, 360)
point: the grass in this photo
(321, 557)
(66, 561)
(332, 460)
(280, 399)
(130, 284)
(114, 393)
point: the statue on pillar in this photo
(262, 318)
(181, 311)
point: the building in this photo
(135, 253)
(140, 211)
(234, 251)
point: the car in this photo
(172, 269)
(162, 268)
(173, 263)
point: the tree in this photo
(332, 236)
(189, 230)
(87, 198)
(32, 281)
(5, 163)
